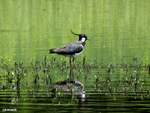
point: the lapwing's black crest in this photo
(73, 48)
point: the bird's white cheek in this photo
(83, 40)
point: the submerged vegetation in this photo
(108, 78)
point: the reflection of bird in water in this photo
(74, 87)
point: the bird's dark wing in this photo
(69, 49)
(74, 48)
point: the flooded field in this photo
(95, 102)
(108, 88)
(111, 75)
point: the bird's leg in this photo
(70, 62)
(70, 73)
(73, 67)
(73, 59)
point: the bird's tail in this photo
(51, 51)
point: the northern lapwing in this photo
(71, 49)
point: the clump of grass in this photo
(19, 73)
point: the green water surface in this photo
(118, 29)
